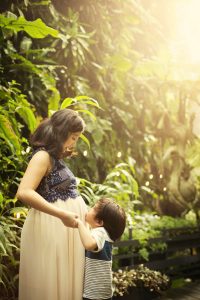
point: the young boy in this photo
(107, 221)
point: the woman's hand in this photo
(69, 219)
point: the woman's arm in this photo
(87, 240)
(37, 168)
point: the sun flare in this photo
(186, 34)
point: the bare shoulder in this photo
(37, 168)
(42, 159)
(41, 155)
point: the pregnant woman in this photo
(52, 255)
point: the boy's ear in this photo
(99, 223)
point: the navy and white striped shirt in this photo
(98, 267)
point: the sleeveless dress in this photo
(52, 257)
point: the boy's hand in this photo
(79, 222)
(69, 219)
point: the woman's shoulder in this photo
(40, 155)
(38, 150)
(43, 158)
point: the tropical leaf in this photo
(28, 116)
(87, 112)
(8, 134)
(66, 102)
(80, 100)
(36, 29)
(88, 100)
(83, 137)
(54, 99)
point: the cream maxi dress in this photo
(52, 256)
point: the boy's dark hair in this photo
(54, 131)
(113, 217)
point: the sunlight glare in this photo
(186, 43)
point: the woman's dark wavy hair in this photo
(113, 217)
(54, 131)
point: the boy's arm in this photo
(87, 240)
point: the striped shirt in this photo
(98, 267)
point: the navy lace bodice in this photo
(60, 183)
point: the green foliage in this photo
(147, 226)
(9, 256)
(119, 184)
(193, 153)
(36, 29)
(15, 113)
(179, 283)
(37, 71)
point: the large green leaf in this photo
(66, 102)
(8, 134)
(83, 137)
(36, 29)
(87, 112)
(54, 99)
(28, 116)
(80, 100)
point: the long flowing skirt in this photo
(52, 256)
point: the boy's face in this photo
(90, 218)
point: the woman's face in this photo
(71, 141)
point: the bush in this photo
(141, 277)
